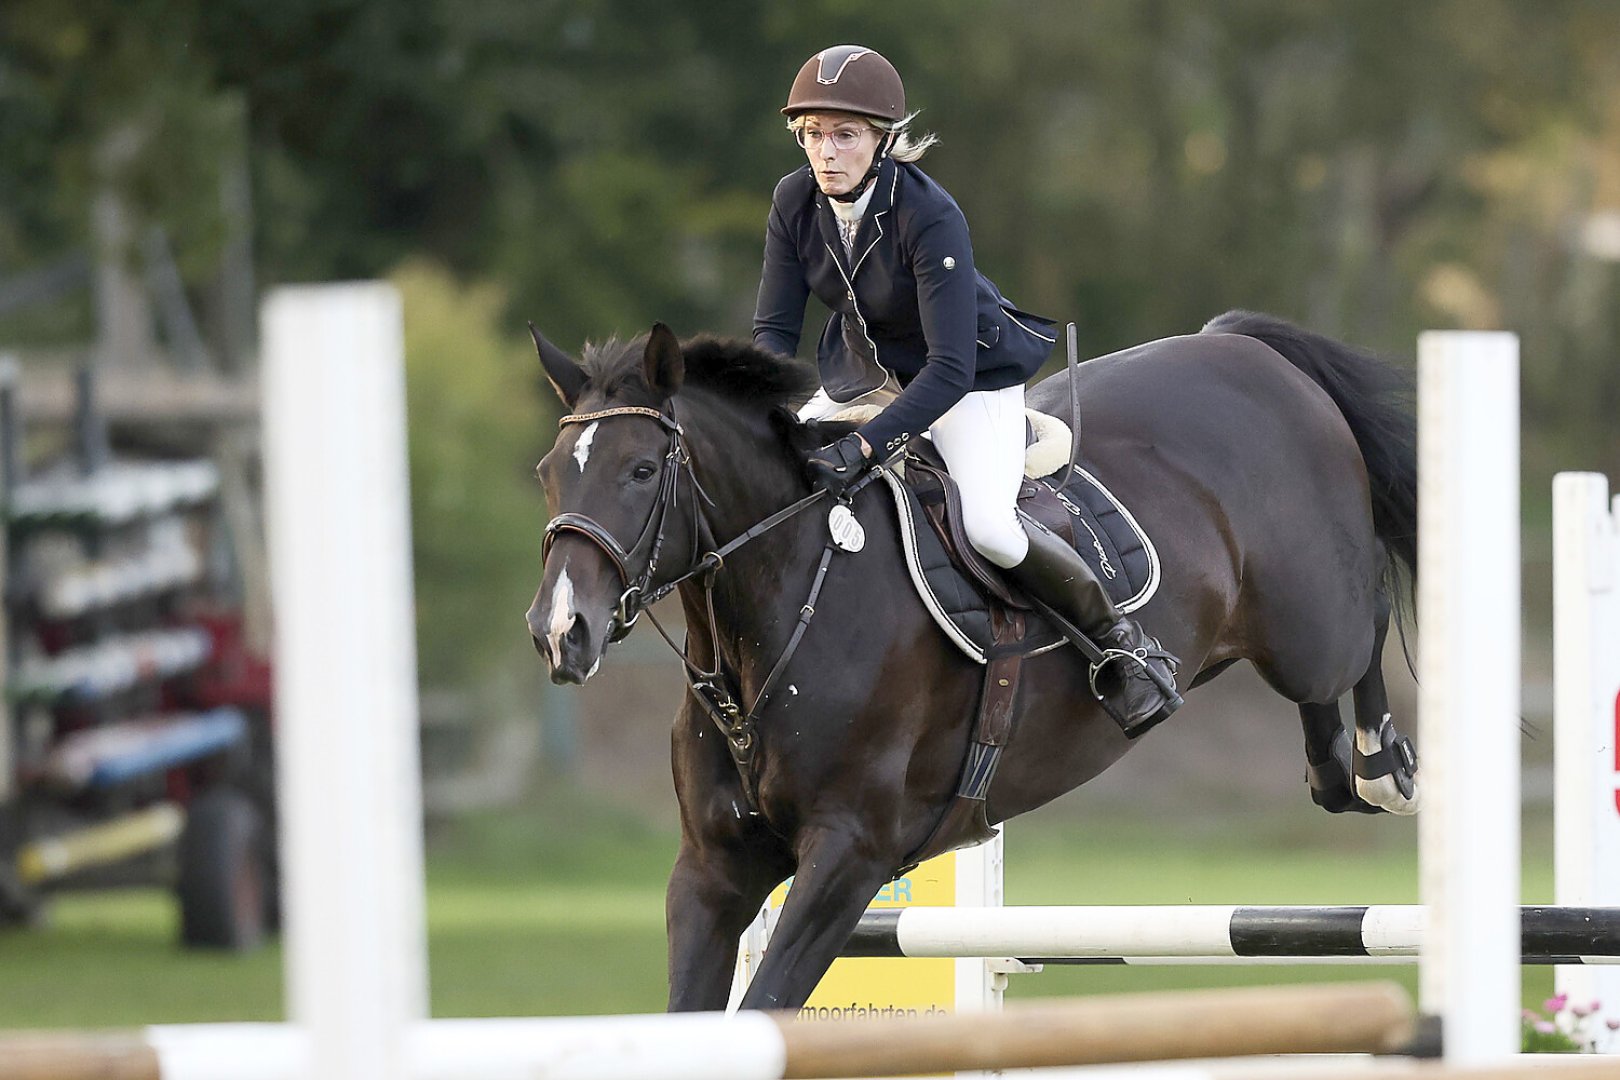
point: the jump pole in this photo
(348, 778)
(1468, 612)
(1586, 709)
(1326, 1019)
(1214, 934)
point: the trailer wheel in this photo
(223, 884)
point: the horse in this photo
(1275, 468)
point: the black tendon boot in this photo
(1133, 677)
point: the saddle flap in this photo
(942, 507)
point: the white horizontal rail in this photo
(1222, 933)
(1373, 1017)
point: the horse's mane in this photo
(726, 367)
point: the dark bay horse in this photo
(1274, 468)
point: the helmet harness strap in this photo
(854, 193)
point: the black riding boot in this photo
(1134, 678)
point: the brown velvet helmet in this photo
(848, 78)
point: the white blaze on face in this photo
(562, 613)
(582, 449)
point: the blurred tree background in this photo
(1371, 169)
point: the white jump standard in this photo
(1586, 700)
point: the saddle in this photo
(963, 591)
(986, 617)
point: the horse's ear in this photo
(663, 366)
(565, 376)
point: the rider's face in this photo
(838, 171)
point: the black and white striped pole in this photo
(1214, 934)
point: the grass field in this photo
(558, 909)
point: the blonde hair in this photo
(907, 147)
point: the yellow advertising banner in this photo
(898, 986)
(880, 986)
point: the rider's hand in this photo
(838, 465)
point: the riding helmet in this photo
(848, 78)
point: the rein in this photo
(710, 688)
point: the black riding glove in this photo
(836, 466)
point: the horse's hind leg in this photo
(1328, 760)
(1385, 764)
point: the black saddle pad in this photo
(958, 590)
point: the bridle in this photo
(677, 462)
(711, 688)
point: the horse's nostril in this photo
(578, 635)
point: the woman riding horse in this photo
(917, 329)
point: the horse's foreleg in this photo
(713, 894)
(834, 883)
(1385, 762)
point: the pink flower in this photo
(1556, 1004)
(1545, 1027)
(1529, 1016)
(1612, 1025)
(1583, 1011)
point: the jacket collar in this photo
(872, 227)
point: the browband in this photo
(620, 410)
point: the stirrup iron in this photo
(1138, 658)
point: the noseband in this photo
(676, 463)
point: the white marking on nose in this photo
(582, 449)
(562, 613)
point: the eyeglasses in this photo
(843, 139)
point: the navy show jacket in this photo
(908, 309)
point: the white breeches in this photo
(981, 439)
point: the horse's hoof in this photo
(1341, 800)
(1335, 800)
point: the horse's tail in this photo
(1376, 400)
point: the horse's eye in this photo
(642, 472)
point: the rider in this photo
(916, 329)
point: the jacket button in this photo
(948, 263)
